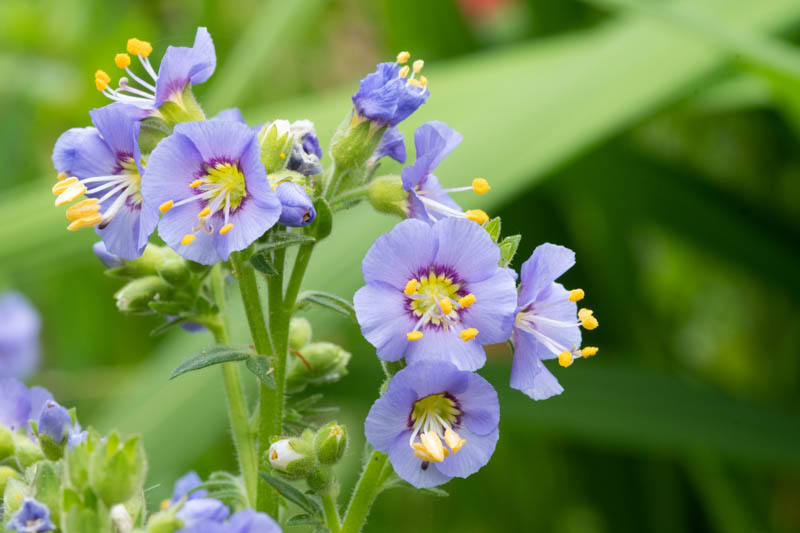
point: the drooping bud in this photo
(292, 457)
(299, 333)
(297, 209)
(117, 469)
(330, 443)
(144, 265)
(386, 194)
(136, 296)
(53, 428)
(174, 271)
(321, 362)
(275, 141)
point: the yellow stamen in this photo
(480, 186)
(100, 84)
(165, 505)
(145, 49)
(414, 335)
(283, 156)
(433, 445)
(204, 213)
(423, 81)
(477, 215)
(85, 222)
(225, 229)
(196, 183)
(166, 206)
(404, 71)
(466, 301)
(411, 287)
(587, 319)
(187, 239)
(417, 65)
(62, 185)
(468, 334)
(403, 57)
(61, 176)
(565, 359)
(447, 307)
(122, 60)
(73, 192)
(139, 48)
(274, 455)
(453, 440)
(83, 209)
(101, 75)
(576, 295)
(589, 351)
(415, 83)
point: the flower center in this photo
(436, 300)
(432, 420)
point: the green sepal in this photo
(7, 473)
(117, 469)
(508, 249)
(299, 333)
(323, 223)
(492, 227)
(186, 109)
(14, 494)
(26, 451)
(354, 141)
(273, 146)
(151, 131)
(46, 487)
(51, 449)
(330, 443)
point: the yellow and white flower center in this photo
(432, 419)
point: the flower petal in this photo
(480, 406)
(399, 255)
(388, 418)
(473, 455)
(545, 265)
(492, 314)
(528, 373)
(440, 345)
(384, 319)
(410, 468)
(467, 248)
(181, 66)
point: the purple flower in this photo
(32, 517)
(306, 150)
(76, 436)
(18, 404)
(185, 484)
(435, 292)
(245, 521)
(388, 96)
(393, 145)
(104, 163)
(55, 422)
(427, 200)
(435, 422)
(297, 209)
(180, 67)
(202, 510)
(547, 324)
(108, 259)
(208, 181)
(19, 336)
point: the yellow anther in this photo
(453, 440)
(122, 60)
(73, 192)
(404, 71)
(133, 46)
(139, 48)
(468, 334)
(576, 295)
(101, 85)
(415, 83)
(283, 156)
(411, 287)
(225, 229)
(196, 183)
(187, 239)
(565, 359)
(83, 209)
(165, 505)
(480, 186)
(477, 215)
(62, 185)
(447, 307)
(423, 81)
(101, 75)
(589, 351)
(145, 48)
(403, 57)
(414, 335)
(204, 212)
(274, 455)
(417, 65)
(85, 222)
(466, 301)
(166, 206)
(433, 445)
(587, 319)
(61, 176)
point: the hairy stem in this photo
(331, 514)
(364, 494)
(356, 193)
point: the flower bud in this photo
(13, 495)
(137, 294)
(6, 473)
(330, 443)
(292, 457)
(322, 362)
(306, 150)
(6, 443)
(174, 271)
(297, 209)
(26, 451)
(386, 194)
(117, 469)
(53, 427)
(144, 265)
(299, 333)
(164, 522)
(355, 141)
(275, 140)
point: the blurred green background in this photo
(658, 140)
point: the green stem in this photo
(353, 194)
(336, 176)
(364, 494)
(298, 271)
(265, 500)
(331, 514)
(237, 405)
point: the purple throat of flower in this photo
(436, 298)
(433, 423)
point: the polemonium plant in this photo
(235, 202)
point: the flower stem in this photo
(237, 405)
(331, 514)
(366, 490)
(265, 500)
(353, 194)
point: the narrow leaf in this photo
(331, 301)
(302, 520)
(261, 366)
(210, 356)
(284, 239)
(261, 263)
(293, 495)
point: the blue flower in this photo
(208, 180)
(306, 150)
(107, 258)
(180, 67)
(185, 484)
(392, 145)
(388, 95)
(435, 292)
(32, 517)
(104, 163)
(202, 510)
(547, 323)
(55, 422)
(19, 336)
(427, 200)
(245, 521)
(297, 209)
(19, 404)
(435, 422)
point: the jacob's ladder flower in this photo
(19, 336)
(32, 517)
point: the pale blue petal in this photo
(473, 456)
(493, 312)
(480, 406)
(467, 248)
(382, 312)
(410, 468)
(388, 418)
(400, 255)
(547, 263)
(440, 345)
(528, 373)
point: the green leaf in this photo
(331, 301)
(284, 239)
(508, 249)
(493, 228)
(262, 264)
(210, 356)
(302, 520)
(261, 366)
(310, 505)
(323, 223)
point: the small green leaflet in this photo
(326, 299)
(261, 366)
(508, 248)
(210, 356)
(308, 504)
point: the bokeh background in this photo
(658, 140)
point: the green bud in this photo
(292, 457)
(7, 442)
(174, 271)
(46, 487)
(84, 513)
(275, 140)
(330, 443)
(136, 295)
(26, 451)
(117, 469)
(355, 140)
(6, 473)
(13, 495)
(322, 362)
(322, 480)
(164, 522)
(145, 264)
(299, 333)
(51, 449)
(386, 194)
(76, 462)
